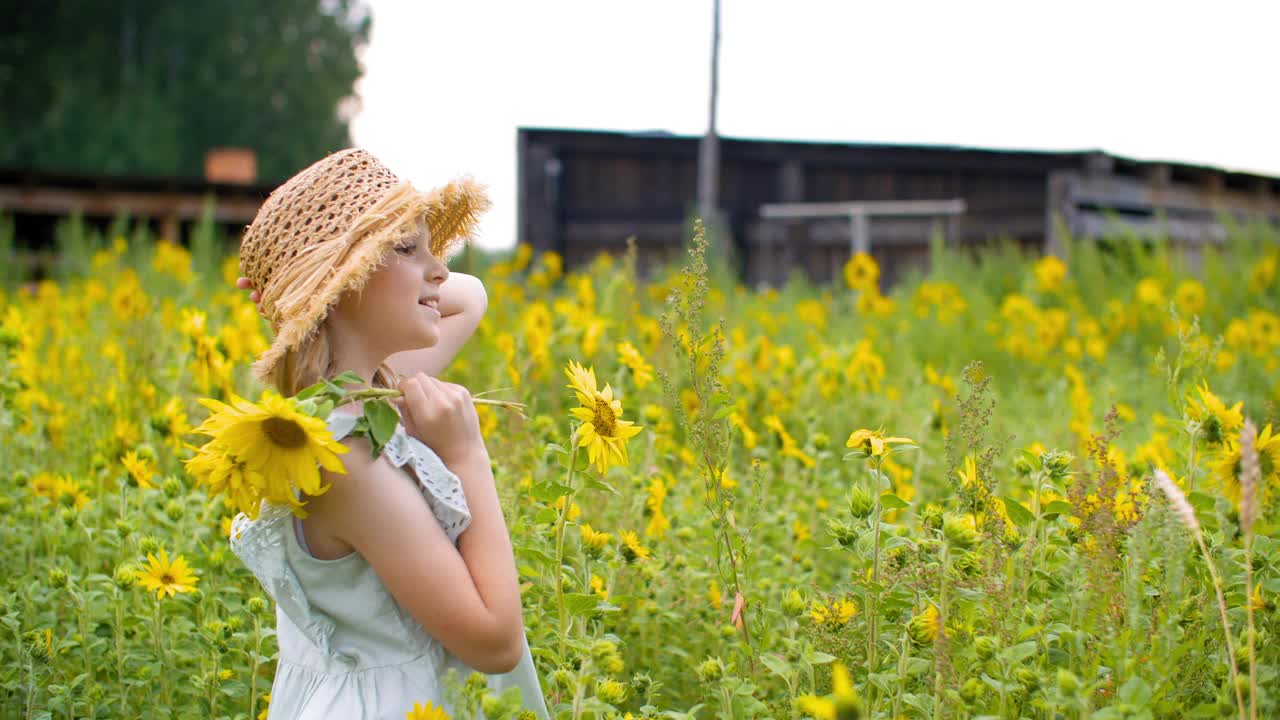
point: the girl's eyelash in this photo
(407, 248)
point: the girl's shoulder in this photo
(440, 486)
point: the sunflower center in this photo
(284, 433)
(603, 419)
(167, 579)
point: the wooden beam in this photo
(779, 211)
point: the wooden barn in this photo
(806, 205)
(37, 200)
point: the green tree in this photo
(147, 86)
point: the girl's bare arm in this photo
(468, 598)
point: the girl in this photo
(403, 568)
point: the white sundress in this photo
(347, 648)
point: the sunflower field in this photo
(1013, 487)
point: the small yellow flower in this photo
(430, 711)
(862, 273)
(838, 612)
(873, 442)
(923, 627)
(632, 550)
(139, 469)
(603, 431)
(640, 369)
(591, 538)
(842, 704)
(167, 577)
(969, 475)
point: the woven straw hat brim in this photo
(451, 213)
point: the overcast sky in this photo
(447, 84)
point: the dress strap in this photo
(341, 423)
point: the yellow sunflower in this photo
(873, 442)
(603, 431)
(426, 712)
(632, 550)
(1227, 467)
(1219, 421)
(218, 469)
(167, 577)
(139, 469)
(272, 438)
(842, 704)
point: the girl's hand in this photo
(441, 415)
(254, 296)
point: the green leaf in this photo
(310, 391)
(1019, 514)
(1200, 501)
(776, 664)
(549, 491)
(581, 604)
(599, 484)
(382, 420)
(1032, 459)
(557, 448)
(1058, 507)
(896, 541)
(889, 501)
(723, 412)
(817, 657)
(349, 376)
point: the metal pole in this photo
(709, 150)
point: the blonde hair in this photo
(313, 360)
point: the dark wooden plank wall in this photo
(583, 192)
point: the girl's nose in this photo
(436, 270)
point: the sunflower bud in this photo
(602, 649)
(172, 486)
(931, 516)
(174, 510)
(861, 503)
(959, 532)
(1068, 683)
(986, 647)
(711, 670)
(491, 705)
(476, 683)
(562, 679)
(843, 534)
(611, 691)
(256, 605)
(125, 576)
(148, 545)
(972, 690)
(968, 563)
(124, 528)
(793, 604)
(58, 577)
(1027, 678)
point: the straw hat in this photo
(328, 227)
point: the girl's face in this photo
(392, 310)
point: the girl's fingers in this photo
(254, 297)
(243, 283)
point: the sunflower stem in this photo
(253, 672)
(158, 631)
(560, 521)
